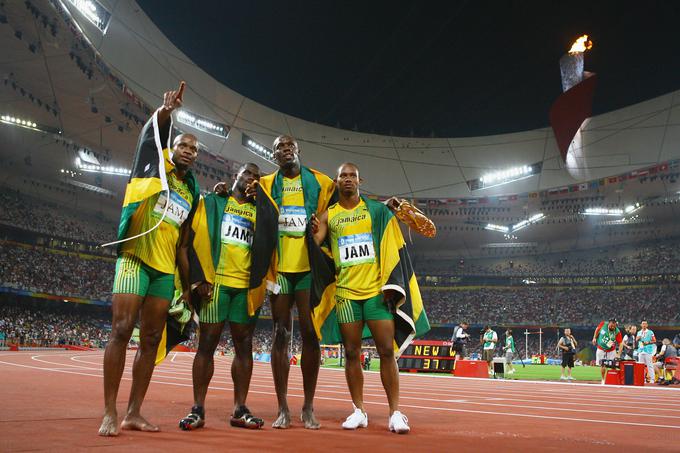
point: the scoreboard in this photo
(424, 355)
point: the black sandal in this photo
(195, 419)
(242, 418)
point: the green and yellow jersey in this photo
(353, 248)
(292, 223)
(158, 248)
(236, 240)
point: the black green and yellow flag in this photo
(205, 249)
(396, 273)
(318, 190)
(152, 162)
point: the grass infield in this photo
(530, 372)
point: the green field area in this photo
(530, 372)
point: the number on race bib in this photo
(356, 249)
(177, 212)
(292, 220)
(236, 231)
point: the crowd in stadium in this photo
(39, 216)
(47, 327)
(38, 269)
(544, 305)
(662, 257)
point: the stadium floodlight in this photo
(615, 212)
(257, 148)
(107, 170)
(603, 211)
(631, 208)
(94, 12)
(202, 123)
(526, 222)
(21, 122)
(497, 178)
(493, 227)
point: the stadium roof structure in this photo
(98, 104)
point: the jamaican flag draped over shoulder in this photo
(205, 249)
(318, 191)
(396, 273)
(152, 162)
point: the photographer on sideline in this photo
(459, 339)
(605, 338)
(568, 345)
(627, 349)
(489, 340)
(668, 351)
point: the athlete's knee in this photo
(243, 344)
(121, 330)
(309, 338)
(150, 339)
(207, 346)
(352, 354)
(281, 336)
(385, 352)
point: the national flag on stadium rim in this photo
(396, 273)
(317, 190)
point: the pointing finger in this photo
(180, 92)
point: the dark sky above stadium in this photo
(456, 68)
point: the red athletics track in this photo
(53, 401)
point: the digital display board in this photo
(423, 355)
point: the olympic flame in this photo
(581, 45)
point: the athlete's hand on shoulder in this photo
(221, 188)
(173, 99)
(204, 290)
(251, 189)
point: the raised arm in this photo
(171, 100)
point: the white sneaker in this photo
(399, 423)
(563, 378)
(357, 419)
(570, 378)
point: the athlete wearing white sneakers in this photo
(361, 299)
(399, 423)
(358, 419)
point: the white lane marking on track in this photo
(373, 395)
(548, 417)
(162, 373)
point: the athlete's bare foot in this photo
(109, 425)
(309, 419)
(138, 423)
(283, 420)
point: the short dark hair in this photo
(613, 320)
(509, 331)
